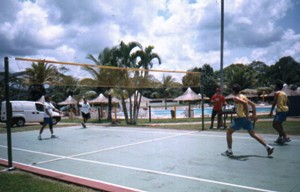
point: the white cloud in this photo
(184, 34)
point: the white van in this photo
(27, 112)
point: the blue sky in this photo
(185, 33)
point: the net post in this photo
(8, 115)
(149, 113)
(202, 100)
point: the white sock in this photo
(268, 146)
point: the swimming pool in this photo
(180, 113)
(198, 111)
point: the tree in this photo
(261, 71)
(17, 88)
(286, 70)
(103, 77)
(244, 75)
(192, 80)
(36, 76)
(209, 80)
(123, 56)
(207, 76)
(146, 58)
(168, 88)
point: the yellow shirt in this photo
(240, 111)
(282, 101)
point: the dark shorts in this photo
(86, 116)
(280, 116)
(215, 112)
(48, 120)
(241, 122)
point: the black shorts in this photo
(86, 116)
(216, 112)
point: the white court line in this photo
(238, 136)
(173, 175)
(140, 130)
(36, 152)
(147, 170)
(115, 147)
(155, 172)
(80, 177)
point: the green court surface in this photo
(144, 159)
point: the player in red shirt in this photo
(218, 100)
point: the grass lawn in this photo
(19, 181)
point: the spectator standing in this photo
(218, 100)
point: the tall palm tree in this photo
(37, 75)
(123, 56)
(102, 77)
(146, 58)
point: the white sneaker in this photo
(227, 153)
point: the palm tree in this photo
(146, 57)
(168, 90)
(124, 57)
(16, 85)
(36, 76)
(245, 76)
(102, 77)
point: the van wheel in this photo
(20, 122)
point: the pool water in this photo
(198, 111)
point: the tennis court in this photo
(160, 160)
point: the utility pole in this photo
(222, 45)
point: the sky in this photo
(184, 33)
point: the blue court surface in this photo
(158, 160)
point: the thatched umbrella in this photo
(98, 100)
(69, 101)
(189, 95)
(249, 92)
(289, 91)
(101, 99)
(42, 99)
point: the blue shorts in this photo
(48, 120)
(280, 117)
(241, 122)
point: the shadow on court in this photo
(144, 159)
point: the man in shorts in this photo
(48, 109)
(85, 112)
(281, 102)
(242, 121)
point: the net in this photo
(91, 75)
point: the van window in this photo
(39, 107)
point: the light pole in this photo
(222, 45)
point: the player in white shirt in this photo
(48, 108)
(85, 112)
